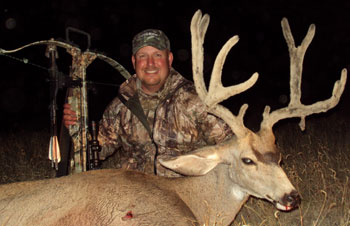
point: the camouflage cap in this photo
(150, 37)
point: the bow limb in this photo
(67, 46)
(115, 65)
(43, 42)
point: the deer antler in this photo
(217, 92)
(295, 107)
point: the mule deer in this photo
(220, 178)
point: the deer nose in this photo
(293, 199)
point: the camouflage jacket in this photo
(178, 122)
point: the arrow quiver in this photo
(54, 149)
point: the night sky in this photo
(24, 91)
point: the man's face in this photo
(152, 67)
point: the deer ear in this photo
(190, 165)
(197, 163)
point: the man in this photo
(157, 113)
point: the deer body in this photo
(105, 197)
(101, 197)
(220, 178)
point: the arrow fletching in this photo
(54, 152)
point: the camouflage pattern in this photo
(150, 37)
(178, 120)
(78, 100)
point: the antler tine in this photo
(199, 27)
(215, 84)
(295, 107)
(236, 123)
(217, 92)
(296, 59)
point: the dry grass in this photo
(316, 161)
(23, 156)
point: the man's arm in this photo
(106, 133)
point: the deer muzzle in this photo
(289, 201)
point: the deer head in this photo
(253, 159)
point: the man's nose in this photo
(150, 61)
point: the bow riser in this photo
(79, 103)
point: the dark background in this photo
(24, 91)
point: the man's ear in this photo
(133, 61)
(170, 58)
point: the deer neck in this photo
(213, 198)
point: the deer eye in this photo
(248, 161)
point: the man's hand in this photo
(69, 116)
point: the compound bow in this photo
(77, 97)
